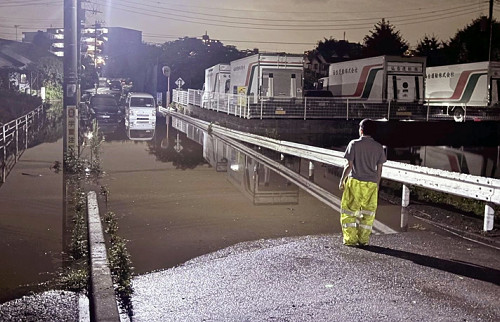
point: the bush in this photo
(14, 104)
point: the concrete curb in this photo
(103, 306)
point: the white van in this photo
(140, 112)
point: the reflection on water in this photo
(252, 178)
(480, 161)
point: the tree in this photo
(338, 50)
(431, 48)
(384, 40)
(471, 44)
(42, 40)
(189, 57)
(50, 72)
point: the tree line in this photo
(189, 57)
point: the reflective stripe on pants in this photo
(357, 213)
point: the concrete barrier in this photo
(103, 305)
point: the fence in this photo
(324, 108)
(465, 185)
(15, 136)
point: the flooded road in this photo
(177, 196)
(31, 221)
(174, 211)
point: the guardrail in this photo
(464, 185)
(14, 138)
(321, 107)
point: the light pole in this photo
(166, 72)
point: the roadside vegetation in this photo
(84, 173)
(467, 206)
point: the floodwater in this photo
(180, 196)
(31, 221)
(177, 196)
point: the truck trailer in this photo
(377, 79)
(216, 82)
(217, 79)
(264, 76)
(462, 85)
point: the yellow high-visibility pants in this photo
(357, 213)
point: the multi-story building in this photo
(96, 41)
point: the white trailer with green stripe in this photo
(378, 79)
(266, 76)
(463, 85)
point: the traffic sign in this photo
(166, 71)
(179, 82)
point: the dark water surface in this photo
(176, 197)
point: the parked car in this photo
(105, 108)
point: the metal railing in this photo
(464, 185)
(252, 107)
(323, 107)
(15, 136)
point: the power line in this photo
(280, 12)
(17, 4)
(243, 25)
(421, 12)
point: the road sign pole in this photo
(168, 91)
(166, 72)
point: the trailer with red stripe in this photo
(267, 76)
(456, 87)
(378, 79)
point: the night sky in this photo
(270, 25)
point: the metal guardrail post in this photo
(489, 217)
(389, 111)
(26, 133)
(428, 111)
(347, 110)
(4, 155)
(405, 201)
(261, 107)
(305, 108)
(311, 171)
(17, 141)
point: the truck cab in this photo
(140, 113)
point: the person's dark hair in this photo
(368, 126)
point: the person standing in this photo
(360, 182)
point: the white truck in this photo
(216, 82)
(458, 86)
(264, 76)
(140, 116)
(377, 79)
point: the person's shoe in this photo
(360, 245)
(351, 245)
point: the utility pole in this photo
(491, 28)
(70, 83)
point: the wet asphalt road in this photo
(415, 276)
